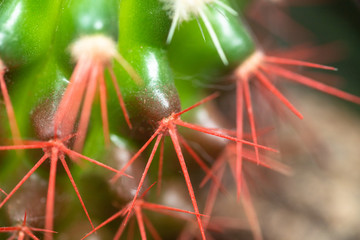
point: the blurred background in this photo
(322, 199)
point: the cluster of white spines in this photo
(185, 10)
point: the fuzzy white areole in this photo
(93, 55)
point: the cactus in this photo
(125, 86)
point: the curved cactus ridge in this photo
(24, 37)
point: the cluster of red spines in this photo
(56, 148)
(22, 231)
(83, 86)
